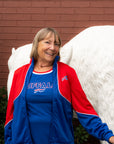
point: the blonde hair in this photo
(41, 35)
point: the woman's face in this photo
(48, 49)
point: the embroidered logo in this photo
(64, 78)
(40, 87)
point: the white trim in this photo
(8, 123)
(42, 73)
(87, 114)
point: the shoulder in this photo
(22, 69)
(19, 77)
(64, 67)
(20, 74)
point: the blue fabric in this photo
(39, 106)
(94, 126)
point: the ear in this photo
(13, 50)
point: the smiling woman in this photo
(41, 35)
(45, 48)
(42, 98)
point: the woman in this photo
(43, 95)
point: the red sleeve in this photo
(80, 102)
(16, 87)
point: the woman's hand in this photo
(111, 139)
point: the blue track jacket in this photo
(67, 95)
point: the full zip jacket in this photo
(67, 95)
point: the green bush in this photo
(3, 105)
(80, 135)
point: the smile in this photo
(50, 54)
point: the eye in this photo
(57, 44)
(47, 42)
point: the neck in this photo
(40, 67)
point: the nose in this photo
(52, 46)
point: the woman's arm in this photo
(86, 113)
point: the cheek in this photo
(39, 50)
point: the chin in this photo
(51, 59)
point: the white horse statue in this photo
(91, 54)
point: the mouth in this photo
(50, 54)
